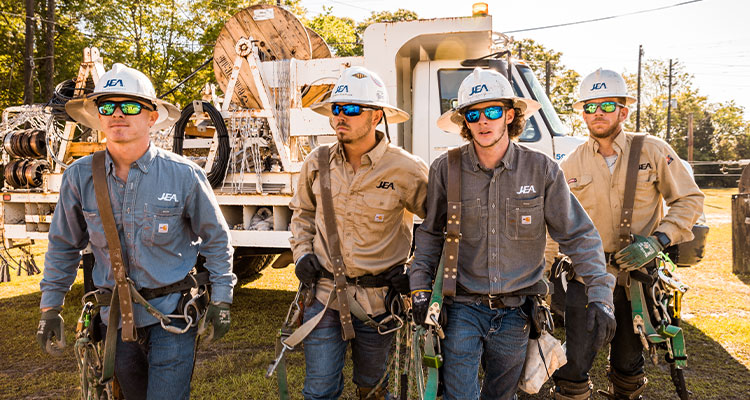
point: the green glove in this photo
(218, 316)
(50, 333)
(637, 254)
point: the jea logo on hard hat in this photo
(599, 85)
(342, 89)
(478, 89)
(113, 82)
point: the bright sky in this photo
(711, 38)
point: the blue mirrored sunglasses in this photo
(350, 110)
(491, 112)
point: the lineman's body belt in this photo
(495, 301)
(365, 281)
(190, 281)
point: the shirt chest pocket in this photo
(162, 224)
(524, 219)
(583, 190)
(473, 225)
(378, 210)
(95, 229)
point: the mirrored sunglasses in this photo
(128, 107)
(491, 112)
(606, 106)
(350, 110)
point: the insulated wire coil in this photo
(219, 167)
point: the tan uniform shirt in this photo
(661, 176)
(374, 210)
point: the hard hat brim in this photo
(85, 112)
(452, 120)
(393, 114)
(578, 105)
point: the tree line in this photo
(169, 39)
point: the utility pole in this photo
(669, 102)
(638, 101)
(28, 55)
(548, 72)
(519, 51)
(49, 54)
(690, 138)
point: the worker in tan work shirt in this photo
(596, 172)
(376, 188)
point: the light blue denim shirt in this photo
(165, 213)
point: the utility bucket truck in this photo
(252, 140)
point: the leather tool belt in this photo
(495, 301)
(104, 296)
(365, 281)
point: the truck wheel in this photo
(246, 265)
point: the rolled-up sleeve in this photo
(429, 236)
(67, 237)
(570, 226)
(208, 223)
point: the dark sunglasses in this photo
(492, 113)
(350, 110)
(128, 107)
(606, 106)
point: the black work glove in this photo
(218, 317)
(600, 317)
(50, 333)
(307, 268)
(420, 303)
(398, 279)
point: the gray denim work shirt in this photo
(505, 213)
(165, 213)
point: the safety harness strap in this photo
(122, 290)
(334, 245)
(626, 217)
(452, 227)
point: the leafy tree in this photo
(339, 33)
(564, 82)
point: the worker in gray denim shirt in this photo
(510, 196)
(165, 212)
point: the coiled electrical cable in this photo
(219, 167)
(65, 91)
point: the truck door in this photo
(435, 85)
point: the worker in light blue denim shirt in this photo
(165, 212)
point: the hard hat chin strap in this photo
(385, 121)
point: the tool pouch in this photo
(540, 317)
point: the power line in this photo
(604, 18)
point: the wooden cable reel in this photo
(277, 33)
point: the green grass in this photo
(716, 323)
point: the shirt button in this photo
(494, 255)
(493, 205)
(494, 279)
(128, 210)
(128, 236)
(493, 231)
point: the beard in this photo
(352, 135)
(603, 134)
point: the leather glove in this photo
(637, 254)
(307, 268)
(398, 279)
(50, 333)
(600, 317)
(420, 303)
(218, 316)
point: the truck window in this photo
(450, 79)
(538, 93)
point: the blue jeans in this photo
(325, 350)
(159, 365)
(626, 354)
(496, 337)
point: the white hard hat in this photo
(358, 85)
(127, 82)
(600, 84)
(480, 86)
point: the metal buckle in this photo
(491, 298)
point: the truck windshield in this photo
(538, 93)
(450, 79)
